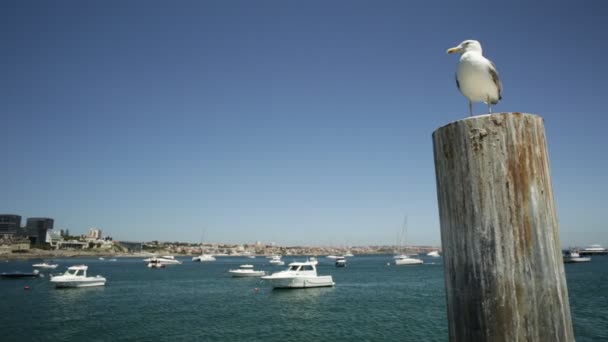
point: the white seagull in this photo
(476, 76)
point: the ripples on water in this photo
(201, 302)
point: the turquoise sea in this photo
(201, 302)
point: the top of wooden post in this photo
(495, 116)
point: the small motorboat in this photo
(203, 258)
(76, 276)
(574, 256)
(299, 275)
(17, 274)
(45, 265)
(155, 263)
(434, 254)
(407, 260)
(246, 271)
(165, 260)
(276, 260)
(313, 260)
(341, 262)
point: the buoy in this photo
(26, 287)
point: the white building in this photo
(94, 234)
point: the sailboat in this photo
(203, 257)
(402, 258)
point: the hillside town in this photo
(38, 237)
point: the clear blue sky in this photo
(297, 122)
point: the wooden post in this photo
(503, 265)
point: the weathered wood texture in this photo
(503, 265)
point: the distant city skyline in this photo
(301, 123)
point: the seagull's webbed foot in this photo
(470, 108)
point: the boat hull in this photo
(238, 274)
(300, 282)
(65, 282)
(408, 261)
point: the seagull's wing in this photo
(495, 78)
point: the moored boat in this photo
(165, 260)
(246, 271)
(407, 260)
(434, 254)
(76, 276)
(203, 258)
(593, 250)
(299, 275)
(573, 256)
(341, 262)
(45, 265)
(18, 274)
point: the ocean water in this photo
(201, 302)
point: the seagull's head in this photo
(466, 46)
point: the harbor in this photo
(194, 301)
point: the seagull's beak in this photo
(454, 49)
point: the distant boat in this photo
(45, 265)
(573, 256)
(402, 258)
(165, 260)
(332, 257)
(593, 250)
(17, 274)
(434, 254)
(349, 254)
(341, 262)
(276, 260)
(203, 258)
(246, 271)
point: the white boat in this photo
(573, 256)
(313, 260)
(349, 254)
(299, 275)
(165, 260)
(404, 259)
(407, 260)
(246, 271)
(593, 250)
(332, 257)
(434, 254)
(45, 265)
(155, 263)
(341, 262)
(276, 260)
(203, 258)
(76, 276)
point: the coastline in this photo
(46, 254)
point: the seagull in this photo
(476, 76)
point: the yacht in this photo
(276, 260)
(573, 256)
(332, 257)
(165, 260)
(593, 250)
(45, 265)
(203, 258)
(76, 276)
(434, 254)
(407, 260)
(299, 275)
(341, 262)
(17, 274)
(155, 263)
(313, 260)
(246, 271)
(349, 254)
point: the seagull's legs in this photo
(470, 108)
(489, 105)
